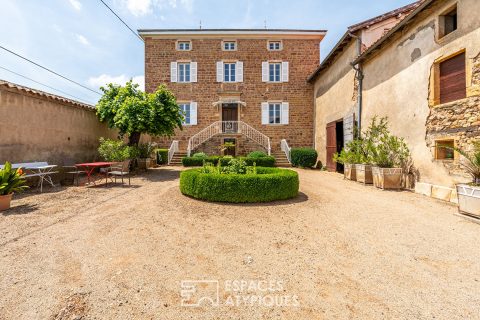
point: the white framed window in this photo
(229, 70)
(189, 110)
(229, 45)
(274, 45)
(184, 72)
(274, 113)
(275, 71)
(184, 45)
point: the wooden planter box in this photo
(469, 200)
(364, 173)
(350, 172)
(387, 178)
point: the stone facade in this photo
(206, 49)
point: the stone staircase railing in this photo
(228, 127)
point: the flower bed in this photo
(268, 184)
(267, 161)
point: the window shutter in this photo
(264, 112)
(284, 113)
(265, 71)
(219, 71)
(193, 72)
(285, 71)
(453, 79)
(173, 71)
(239, 71)
(193, 113)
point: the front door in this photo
(229, 117)
(331, 145)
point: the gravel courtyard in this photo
(341, 249)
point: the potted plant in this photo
(11, 180)
(469, 193)
(389, 153)
(145, 151)
(350, 156)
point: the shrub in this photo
(116, 150)
(145, 150)
(268, 184)
(224, 161)
(257, 154)
(162, 156)
(267, 161)
(238, 166)
(304, 157)
(197, 162)
(201, 155)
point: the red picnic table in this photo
(90, 167)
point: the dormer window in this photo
(274, 45)
(229, 45)
(184, 46)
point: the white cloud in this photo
(82, 40)
(144, 7)
(105, 79)
(77, 5)
(139, 7)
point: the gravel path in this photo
(340, 250)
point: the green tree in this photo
(133, 112)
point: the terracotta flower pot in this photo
(469, 199)
(350, 172)
(387, 178)
(364, 173)
(5, 201)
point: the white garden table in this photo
(43, 172)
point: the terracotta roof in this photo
(376, 46)
(348, 36)
(11, 85)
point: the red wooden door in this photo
(331, 146)
(453, 79)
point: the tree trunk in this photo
(134, 139)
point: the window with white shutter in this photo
(173, 71)
(275, 113)
(193, 113)
(183, 72)
(193, 71)
(239, 71)
(264, 112)
(285, 71)
(187, 115)
(265, 71)
(284, 113)
(219, 71)
(229, 72)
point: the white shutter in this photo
(239, 71)
(173, 71)
(264, 112)
(193, 72)
(285, 71)
(265, 71)
(193, 113)
(284, 113)
(219, 71)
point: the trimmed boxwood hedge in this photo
(304, 157)
(268, 184)
(162, 156)
(267, 161)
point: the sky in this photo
(84, 41)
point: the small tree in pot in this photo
(389, 155)
(354, 153)
(11, 180)
(145, 151)
(469, 194)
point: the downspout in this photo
(359, 76)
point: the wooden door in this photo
(331, 146)
(229, 118)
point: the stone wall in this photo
(36, 126)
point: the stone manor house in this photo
(265, 89)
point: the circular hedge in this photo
(268, 184)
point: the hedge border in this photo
(267, 161)
(162, 156)
(269, 184)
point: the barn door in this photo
(331, 146)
